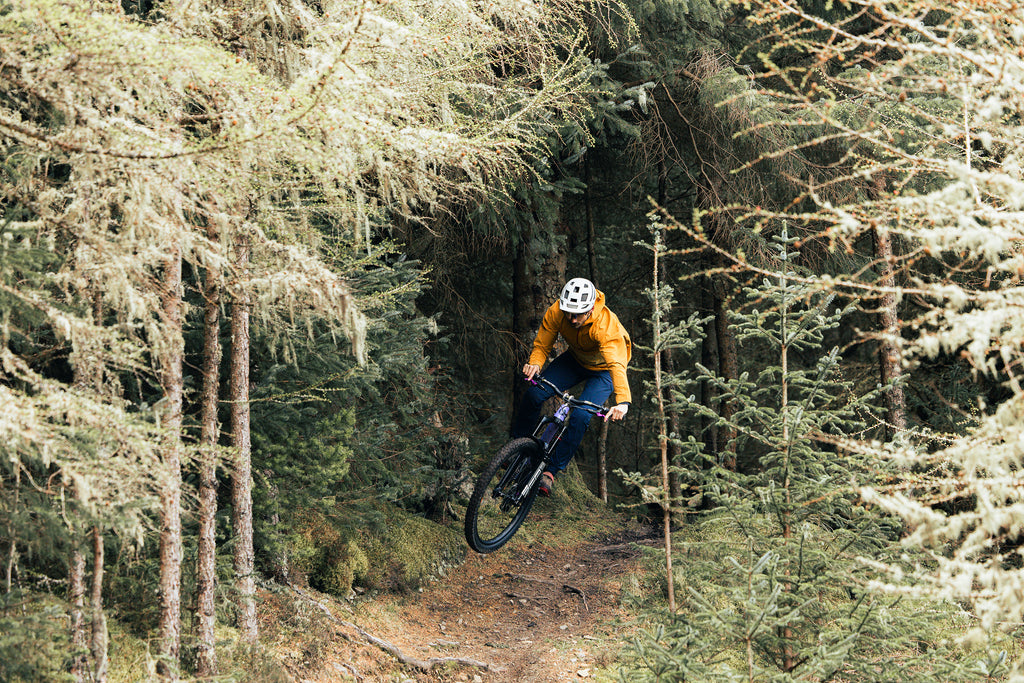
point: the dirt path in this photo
(521, 614)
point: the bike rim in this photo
(499, 513)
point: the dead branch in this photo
(424, 665)
(573, 589)
(352, 670)
(517, 596)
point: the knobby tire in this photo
(487, 527)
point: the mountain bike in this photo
(507, 489)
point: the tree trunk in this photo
(789, 654)
(537, 279)
(206, 658)
(241, 489)
(675, 489)
(591, 229)
(709, 359)
(889, 351)
(663, 438)
(709, 196)
(281, 568)
(76, 598)
(99, 620)
(88, 377)
(12, 547)
(602, 439)
(522, 317)
(729, 369)
(171, 381)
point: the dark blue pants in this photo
(564, 372)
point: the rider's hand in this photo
(530, 370)
(616, 412)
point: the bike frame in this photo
(511, 478)
(547, 434)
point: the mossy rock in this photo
(410, 552)
(402, 554)
(325, 555)
(571, 489)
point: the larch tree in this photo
(170, 359)
(241, 469)
(928, 102)
(206, 546)
(122, 137)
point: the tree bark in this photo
(663, 438)
(522, 317)
(88, 377)
(76, 598)
(709, 359)
(729, 368)
(206, 657)
(675, 489)
(591, 229)
(537, 278)
(99, 620)
(241, 490)
(602, 439)
(12, 547)
(889, 352)
(172, 383)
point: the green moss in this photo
(411, 551)
(573, 489)
(325, 554)
(406, 552)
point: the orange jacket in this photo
(601, 343)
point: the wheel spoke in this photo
(496, 510)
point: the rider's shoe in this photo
(547, 482)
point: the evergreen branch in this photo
(825, 282)
(933, 45)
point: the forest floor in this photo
(537, 610)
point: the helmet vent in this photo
(578, 296)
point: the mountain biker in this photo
(599, 351)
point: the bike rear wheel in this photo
(497, 508)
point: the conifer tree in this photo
(241, 471)
(792, 594)
(925, 104)
(123, 135)
(206, 546)
(172, 383)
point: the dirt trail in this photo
(521, 614)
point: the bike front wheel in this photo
(499, 503)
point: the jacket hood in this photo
(598, 305)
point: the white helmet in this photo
(578, 296)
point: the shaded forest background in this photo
(267, 272)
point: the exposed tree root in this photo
(425, 665)
(422, 664)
